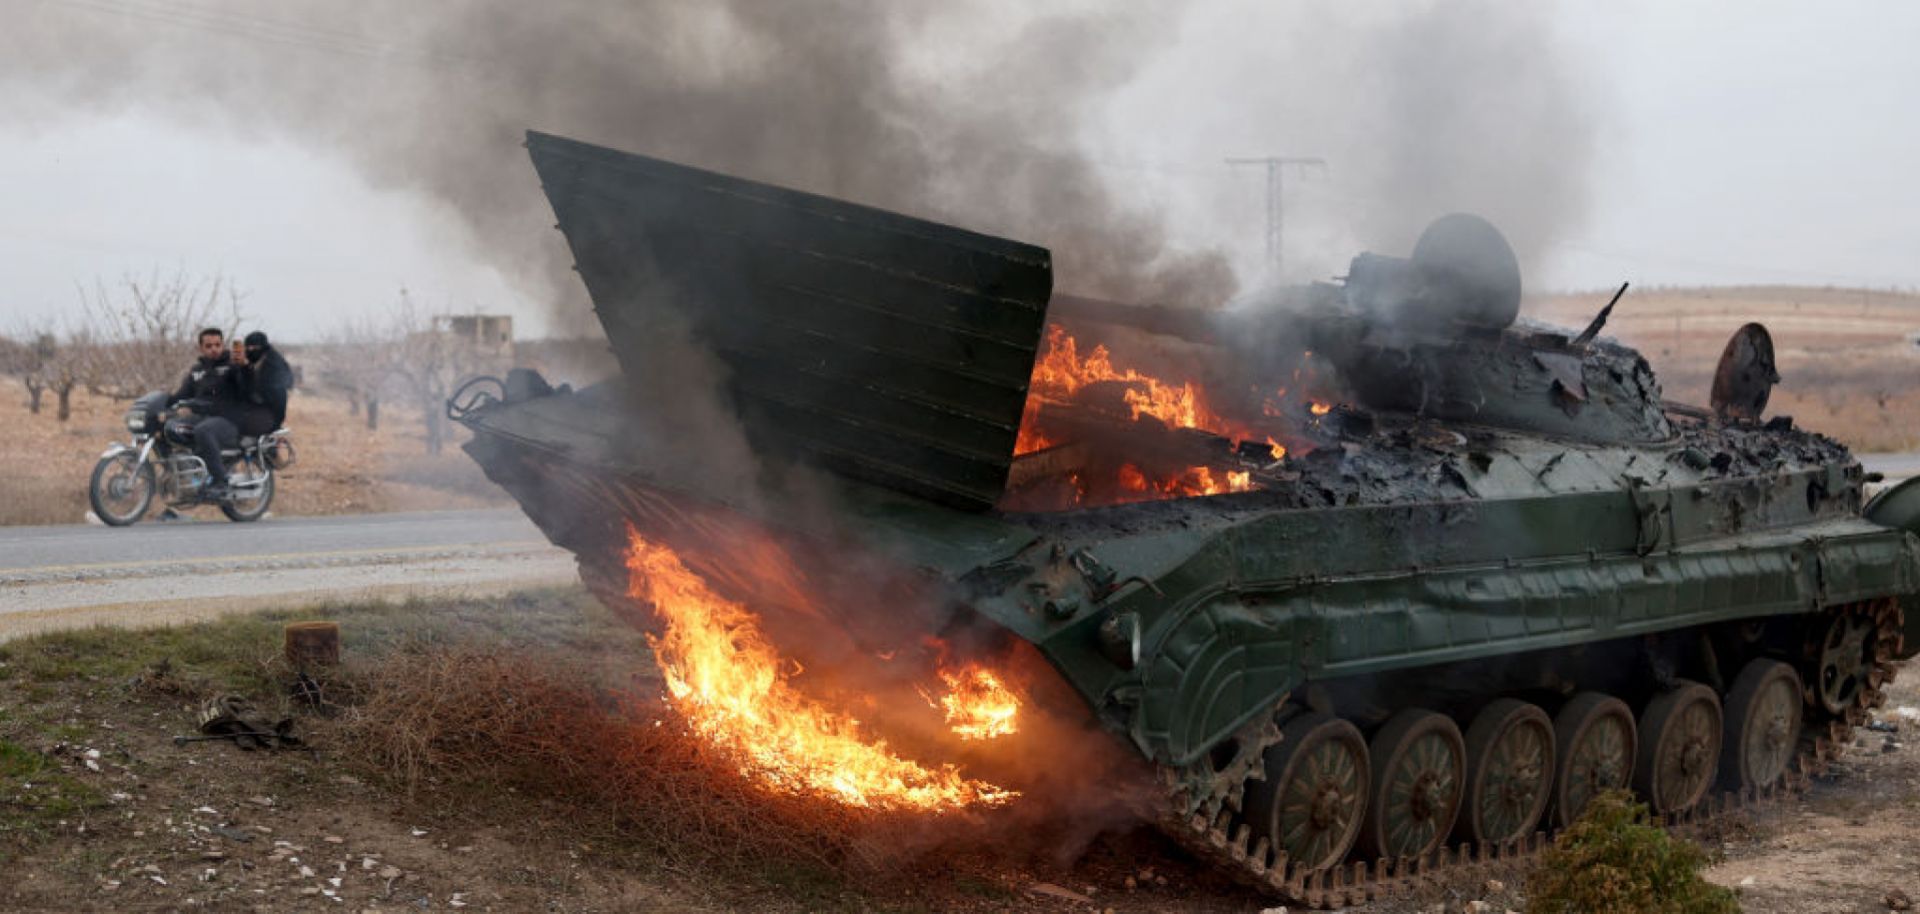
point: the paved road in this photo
(58, 577)
(87, 546)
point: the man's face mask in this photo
(255, 352)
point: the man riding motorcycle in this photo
(242, 393)
(217, 439)
(209, 374)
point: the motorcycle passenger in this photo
(263, 379)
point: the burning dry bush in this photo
(473, 720)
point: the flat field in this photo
(343, 467)
(1849, 360)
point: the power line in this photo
(1276, 193)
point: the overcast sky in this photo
(1753, 142)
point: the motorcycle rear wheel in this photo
(248, 505)
(121, 489)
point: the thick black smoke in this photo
(831, 96)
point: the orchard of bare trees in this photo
(121, 341)
(413, 357)
(125, 339)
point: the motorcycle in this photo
(160, 462)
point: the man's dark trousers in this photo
(210, 436)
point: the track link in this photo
(1229, 846)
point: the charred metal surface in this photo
(1744, 379)
(889, 348)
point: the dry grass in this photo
(344, 468)
(460, 724)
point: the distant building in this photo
(485, 332)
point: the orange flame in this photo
(978, 705)
(727, 679)
(1320, 409)
(1060, 373)
(1191, 482)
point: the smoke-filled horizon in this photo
(1416, 109)
(981, 114)
(818, 95)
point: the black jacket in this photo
(261, 387)
(212, 380)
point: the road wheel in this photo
(121, 489)
(1419, 768)
(1594, 741)
(1680, 736)
(1509, 772)
(1844, 660)
(1762, 725)
(1310, 803)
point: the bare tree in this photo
(423, 360)
(141, 332)
(68, 366)
(410, 355)
(352, 362)
(25, 358)
(43, 362)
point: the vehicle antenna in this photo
(1599, 320)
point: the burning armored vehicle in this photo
(1398, 589)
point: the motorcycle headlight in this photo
(136, 422)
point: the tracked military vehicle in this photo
(1497, 575)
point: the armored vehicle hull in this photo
(1500, 576)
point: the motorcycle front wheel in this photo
(121, 489)
(250, 503)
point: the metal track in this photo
(1228, 844)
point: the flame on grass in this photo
(728, 681)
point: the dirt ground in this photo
(1841, 848)
(343, 467)
(100, 810)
